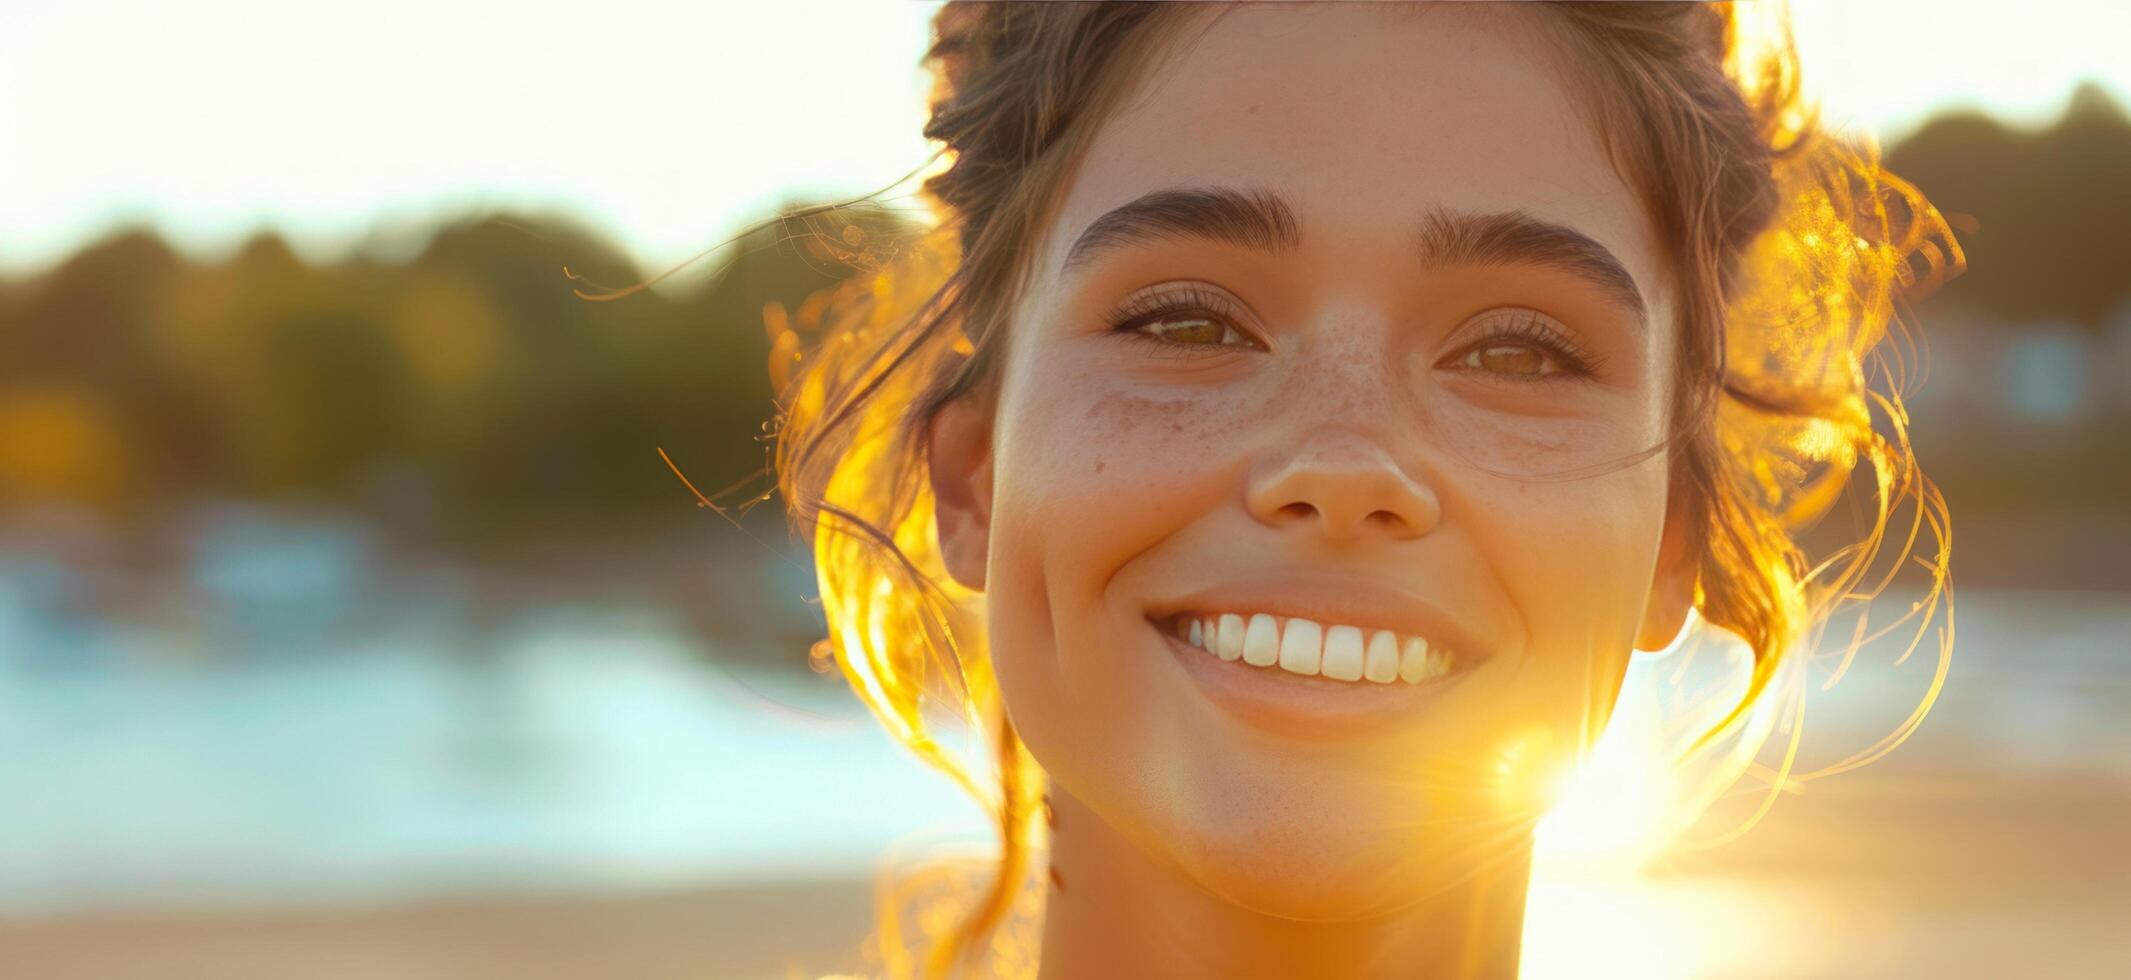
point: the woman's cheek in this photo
(1136, 462)
(1576, 556)
(1087, 477)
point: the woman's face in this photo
(1403, 295)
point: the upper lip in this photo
(1330, 602)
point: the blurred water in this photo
(567, 747)
(295, 745)
(2040, 684)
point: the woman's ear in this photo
(959, 464)
(1672, 585)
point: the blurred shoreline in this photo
(1954, 882)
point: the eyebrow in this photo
(1260, 220)
(1253, 219)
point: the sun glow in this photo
(1612, 808)
(1641, 786)
(1592, 911)
(1676, 930)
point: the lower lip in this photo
(1302, 705)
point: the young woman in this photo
(1296, 418)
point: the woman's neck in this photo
(1114, 912)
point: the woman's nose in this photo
(1347, 483)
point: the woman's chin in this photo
(1303, 874)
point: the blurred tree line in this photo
(466, 397)
(2044, 216)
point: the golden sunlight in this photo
(1593, 911)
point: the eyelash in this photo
(1529, 327)
(1137, 313)
(1526, 327)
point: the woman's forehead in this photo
(1367, 126)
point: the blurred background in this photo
(351, 624)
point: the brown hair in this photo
(1791, 250)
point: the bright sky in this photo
(666, 122)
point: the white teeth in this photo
(1261, 641)
(1342, 653)
(1230, 646)
(1301, 646)
(1413, 661)
(1382, 664)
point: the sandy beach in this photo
(1890, 872)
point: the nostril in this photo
(1299, 509)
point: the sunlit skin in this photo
(1331, 433)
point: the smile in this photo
(1303, 646)
(1331, 683)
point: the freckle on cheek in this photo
(1128, 405)
(1098, 466)
(1192, 418)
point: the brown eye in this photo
(1519, 344)
(1513, 359)
(1194, 320)
(1189, 330)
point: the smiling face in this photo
(1323, 317)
